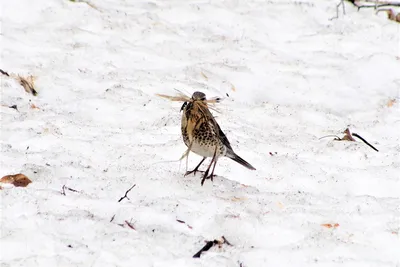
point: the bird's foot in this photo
(206, 176)
(193, 171)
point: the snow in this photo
(292, 76)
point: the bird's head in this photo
(199, 96)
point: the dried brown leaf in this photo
(33, 106)
(18, 180)
(391, 102)
(27, 83)
(330, 225)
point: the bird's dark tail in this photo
(232, 155)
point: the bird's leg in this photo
(212, 173)
(195, 169)
(213, 160)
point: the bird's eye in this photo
(203, 99)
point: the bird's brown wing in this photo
(223, 137)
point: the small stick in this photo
(130, 225)
(126, 193)
(112, 218)
(330, 135)
(348, 136)
(70, 189)
(365, 141)
(209, 245)
(14, 107)
(4, 73)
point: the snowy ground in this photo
(292, 76)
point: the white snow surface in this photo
(292, 76)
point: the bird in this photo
(203, 136)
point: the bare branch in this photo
(183, 222)
(365, 141)
(210, 244)
(348, 136)
(67, 188)
(130, 225)
(126, 193)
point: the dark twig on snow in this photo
(14, 107)
(67, 188)
(183, 222)
(365, 141)
(210, 244)
(112, 218)
(348, 136)
(130, 225)
(126, 193)
(4, 73)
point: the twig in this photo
(126, 193)
(14, 107)
(210, 244)
(4, 73)
(348, 136)
(180, 221)
(365, 141)
(130, 225)
(112, 218)
(330, 135)
(70, 189)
